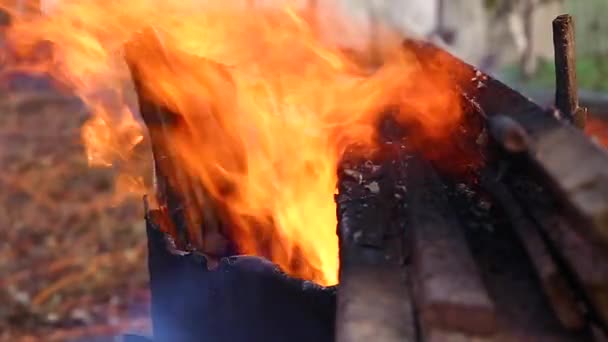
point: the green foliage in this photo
(592, 73)
(491, 4)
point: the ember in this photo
(598, 129)
(265, 107)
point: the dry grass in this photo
(72, 264)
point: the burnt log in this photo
(553, 281)
(405, 273)
(200, 291)
(583, 262)
(192, 215)
(508, 133)
(566, 161)
(373, 301)
(450, 294)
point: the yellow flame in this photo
(266, 104)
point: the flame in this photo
(266, 102)
(598, 129)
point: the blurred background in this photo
(72, 257)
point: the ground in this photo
(72, 261)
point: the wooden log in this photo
(585, 262)
(566, 160)
(450, 294)
(192, 215)
(555, 286)
(566, 89)
(373, 298)
(508, 134)
(588, 265)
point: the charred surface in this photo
(581, 260)
(373, 298)
(450, 295)
(190, 214)
(509, 251)
(522, 308)
(552, 279)
(569, 164)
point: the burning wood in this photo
(413, 260)
(374, 300)
(248, 149)
(448, 287)
(243, 299)
(570, 162)
(190, 213)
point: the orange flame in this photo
(267, 102)
(598, 129)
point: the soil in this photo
(73, 257)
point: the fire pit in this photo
(507, 246)
(463, 211)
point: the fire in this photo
(267, 104)
(598, 129)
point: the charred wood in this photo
(567, 162)
(586, 264)
(556, 287)
(373, 297)
(189, 212)
(450, 294)
(508, 134)
(523, 310)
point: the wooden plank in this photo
(555, 286)
(585, 261)
(570, 163)
(373, 304)
(373, 301)
(449, 291)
